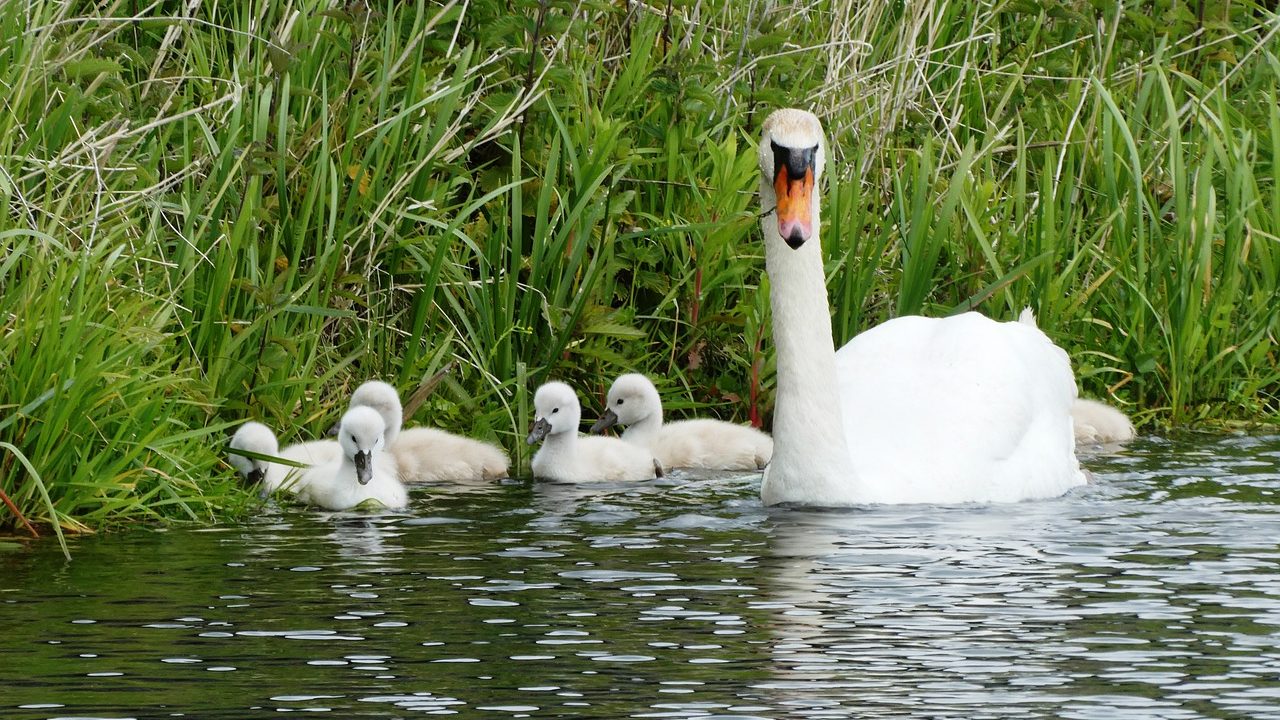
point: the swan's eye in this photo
(619, 401)
(555, 410)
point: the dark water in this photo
(1154, 593)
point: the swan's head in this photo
(256, 438)
(556, 411)
(632, 398)
(361, 434)
(792, 151)
(381, 397)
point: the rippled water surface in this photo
(1154, 593)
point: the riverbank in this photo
(233, 214)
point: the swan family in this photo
(958, 409)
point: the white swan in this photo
(565, 457)
(363, 472)
(258, 438)
(430, 455)
(946, 410)
(702, 443)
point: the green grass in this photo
(245, 212)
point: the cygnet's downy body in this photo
(566, 457)
(430, 455)
(364, 472)
(258, 438)
(702, 443)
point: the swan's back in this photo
(594, 459)
(430, 455)
(710, 444)
(960, 409)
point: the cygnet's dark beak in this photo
(256, 475)
(364, 467)
(539, 431)
(606, 421)
(793, 185)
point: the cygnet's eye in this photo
(619, 401)
(555, 410)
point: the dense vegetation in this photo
(222, 210)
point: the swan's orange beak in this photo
(793, 186)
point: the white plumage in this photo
(430, 455)
(1099, 423)
(701, 443)
(947, 410)
(566, 457)
(363, 472)
(258, 438)
(333, 478)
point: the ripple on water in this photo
(1153, 593)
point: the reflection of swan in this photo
(917, 409)
(906, 607)
(365, 541)
(702, 443)
(430, 455)
(565, 457)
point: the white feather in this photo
(701, 443)
(566, 457)
(430, 455)
(949, 410)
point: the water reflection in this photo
(1154, 593)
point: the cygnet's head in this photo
(381, 397)
(632, 398)
(361, 434)
(256, 438)
(556, 411)
(792, 152)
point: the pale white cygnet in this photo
(1097, 422)
(363, 472)
(701, 443)
(430, 455)
(258, 438)
(566, 457)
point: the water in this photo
(1154, 593)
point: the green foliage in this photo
(246, 210)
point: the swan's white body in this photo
(1099, 423)
(701, 443)
(947, 410)
(1095, 423)
(430, 455)
(566, 457)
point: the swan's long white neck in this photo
(811, 461)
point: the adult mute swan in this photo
(702, 443)
(915, 410)
(430, 455)
(565, 457)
